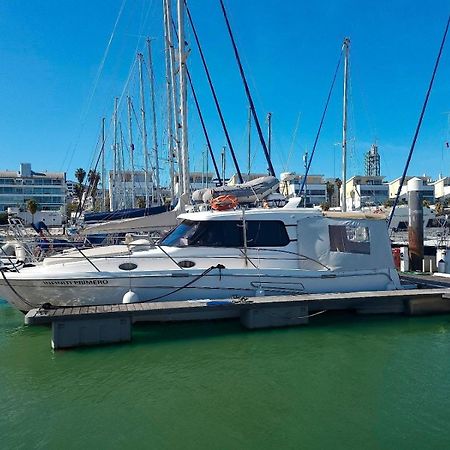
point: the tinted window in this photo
(267, 233)
(229, 233)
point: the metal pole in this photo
(155, 134)
(269, 134)
(112, 194)
(183, 98)
(130, 134)
(415, 228)
(305, 163)
(344, 128)
(176, 109)
(103, 166)
(144, 130)
(122, 170)
(170, 136)
(223, 163)
(207, 171)
(249, 142)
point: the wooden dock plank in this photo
(314, 302)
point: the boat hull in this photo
(102, 288)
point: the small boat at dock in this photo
(218, 255)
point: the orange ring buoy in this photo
(224, 202)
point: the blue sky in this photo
(51, 103)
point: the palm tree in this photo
(338, 183)
(330, 191)
(80, 174)
(32, 206)
(439, 209)
(93, 179)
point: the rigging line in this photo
(136, 117)
(198, 277)
(138, 45)
(413, 144)
(247, 91)
(23, 299)
(80, 207)
(294, 137)
(96, 81)
(321, 123)
(213, 91)
(205, 131)
(202, 121)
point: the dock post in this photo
(415, 227)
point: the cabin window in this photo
(228, 233)
(349, 239)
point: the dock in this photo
(107, 324)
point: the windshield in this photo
(227, 233)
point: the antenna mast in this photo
(169, 89)
(183, 99)
(144, 130)
(345, 48)
(155, 134)
(130, 134)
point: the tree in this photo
(338, 183)
(93, 179)
(325, 206)
(330, 191)
(389, 202)
(32, 206)
(141, 202)
(80, 175)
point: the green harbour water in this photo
(342, 382)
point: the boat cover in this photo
(248, 192)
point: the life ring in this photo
(224, 202)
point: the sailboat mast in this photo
(155, 134)
(344, 128)
(170, 136)
(249, 142)
(112, 194)
(103, 166)
(168, 9)
(130, 136)
(144, 130)
(183, 98)
(269, 134)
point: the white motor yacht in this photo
(220, 255)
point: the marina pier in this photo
(107, 324)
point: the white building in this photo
(428, 188)
(441, 189)
(315, 188)
(48, 189)
(121, 190)
(366, 191)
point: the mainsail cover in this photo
(248, 192)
